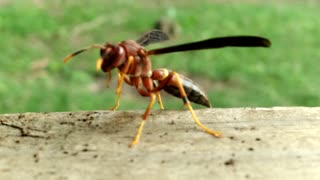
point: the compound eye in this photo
(102, 51)
(107, 56)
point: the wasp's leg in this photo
(174, 79)
(108, 79)
(159, 100)
(187, 103)
(144, 118)
(121, 76)
(118, 91)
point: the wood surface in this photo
(257, 143)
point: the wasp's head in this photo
(112, 56)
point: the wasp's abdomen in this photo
(193, 91)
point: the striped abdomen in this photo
(193, 91)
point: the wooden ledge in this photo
(257, 143)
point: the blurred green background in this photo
(35, 36)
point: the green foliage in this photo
(37, 35)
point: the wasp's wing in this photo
(152, 36)
(235, 41)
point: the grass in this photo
(37, 35)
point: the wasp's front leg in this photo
(121, 76)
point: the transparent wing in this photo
(152, 36)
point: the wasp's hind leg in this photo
(187, 103)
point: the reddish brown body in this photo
(140, 74)
(137, 72)
(134, 67)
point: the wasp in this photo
(133, 65)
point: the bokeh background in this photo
(35, 36)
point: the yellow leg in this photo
(144, 118)
(137, 137)
(118, 91)
(121, 76)
(187, 103)
(159, 100)
(214, 133)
